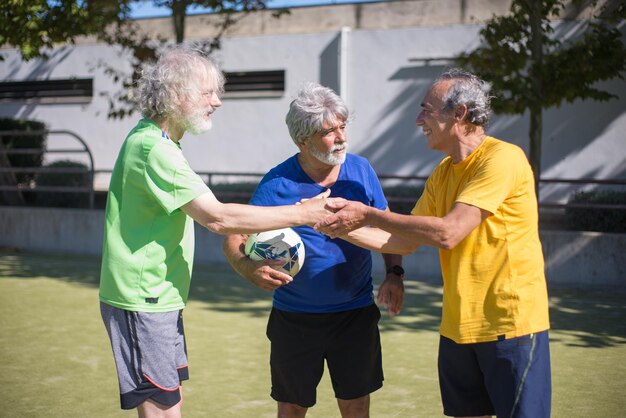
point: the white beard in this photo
(196, 122)
(329, 157)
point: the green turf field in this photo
(55, 360)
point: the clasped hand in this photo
(342, 217)
(349, 215)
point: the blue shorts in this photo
(507, 378)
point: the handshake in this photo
(334, 216)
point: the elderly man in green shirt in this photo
(154, 198)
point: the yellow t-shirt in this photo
(494, 282)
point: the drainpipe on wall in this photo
(343, 63)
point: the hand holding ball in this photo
(281, 244)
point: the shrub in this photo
(402, 199)
(591, 219)
(79, 178)
(13, 142)
(234, 192)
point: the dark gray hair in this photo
(469, 90)
(177, 77)
(313, 106)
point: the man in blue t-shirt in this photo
(327, 311)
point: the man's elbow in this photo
(450, 242)
(215, 220)
(217, 227)
(445, 245)
(447, 240)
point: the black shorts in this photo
(300, 342)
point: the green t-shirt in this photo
(148, 241)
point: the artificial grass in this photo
(55, 358)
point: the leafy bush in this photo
(78, 177)
(234, 192)
(14, 142)
(591, 219)
(402, 199)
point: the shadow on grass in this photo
(585, 318)
(588, 318)
(421, 309)
(83, 270)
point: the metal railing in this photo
(210, 180)
(7, 171)
(583, 182)
(400, 179)
(249, 177)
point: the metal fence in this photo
(237, 186)
(214, 180)
(582, 184)
(12, 189)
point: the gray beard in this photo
(195, 123)
(328, 157)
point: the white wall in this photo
(584, 139)
(571, 258)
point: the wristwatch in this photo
(397, 270)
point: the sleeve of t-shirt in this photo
(425, 205)
(170, 179)
(379, 201)
(264, 195)
(494, 180)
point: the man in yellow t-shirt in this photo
(479, 207)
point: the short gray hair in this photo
(469, 90)
(313, 106)
(176, 77)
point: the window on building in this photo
(47, 91)
(254, 84)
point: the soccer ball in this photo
(281, 244)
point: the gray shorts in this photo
(150, 354)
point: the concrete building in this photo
(379, 56)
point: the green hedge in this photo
(234, 192)
(18, 141)
(60, 179)
(602, 220)
(242, 192)
(406, 197)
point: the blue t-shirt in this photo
(336, 275)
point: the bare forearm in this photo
(233, 218)
(375, 239)
(404, 230)
(260, 273)
(413, 230)
(233, 248)
(392, 260)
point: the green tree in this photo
(35, 27)
(143, 49)
(531, 70)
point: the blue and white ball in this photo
(281, 244)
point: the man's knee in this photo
(355, 408)
(291, 410)
(153, 409)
